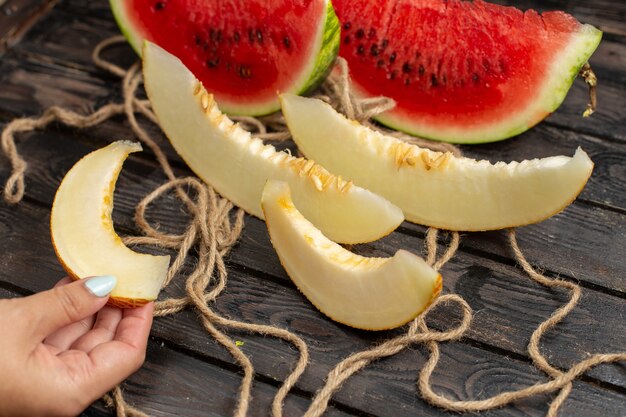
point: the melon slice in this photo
(462, 71)
(433, 188)
(243, 51)
(83, 235)
(366, 293)
(237, 165)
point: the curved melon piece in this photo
(83, 235)
(237, 165)
(242, 51)
(433, 188)
(462, 71)
(366, 293)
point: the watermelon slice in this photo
(461, 71)
(243, 51)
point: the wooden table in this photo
(45, 49)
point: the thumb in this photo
(66, 304)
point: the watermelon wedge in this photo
(243, 51)
(462, 71)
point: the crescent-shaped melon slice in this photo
(366, 293)
(227, 157)
(433, 188)
(83, 235)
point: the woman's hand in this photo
(62, 349)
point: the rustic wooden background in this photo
(45, 48)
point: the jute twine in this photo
(215, 225)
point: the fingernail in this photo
(101, 286)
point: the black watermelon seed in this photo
(384, 43)
(259, 35)
(251, 35)
(371, 33)
(159, 6)
(433, 80)
(213, 63)
(244, 71)
(198, 39)
(374, 50)
(360, 33)
(287, 42)
(346, 39)
(360, 50)
(475, 78)
(392, 57)
(380, 63)
(406, 68)
(347, 25)
(236, 37)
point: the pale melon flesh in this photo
(366, 293)
(83, 235)
(237, 165)
(433, 188)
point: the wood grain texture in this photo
(466, 371)
(187, 373)
(69, 36)
(17, 16)
(556, 244)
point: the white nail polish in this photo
(101, 286)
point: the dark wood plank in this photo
(608, 15)
(173, 383)
(556, 244)
(17, 16)
(67, 38)
(265, 301)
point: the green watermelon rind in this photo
(330, 42)
(550, 97)
(123, 22)
(323, 54)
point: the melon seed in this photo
(259, 35)
(287, 42)
(360, 50)
(346, 39)
(213, 63)
(159, 6)
(406, 68)
(236, 37)
(347, 25)
(360, 33)
(245, 71)
(392, 57)
(374, 50)
(384, 43)
(380, 63)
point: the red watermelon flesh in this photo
(462, 71)
(243, 51)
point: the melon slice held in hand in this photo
(433, 188)
(243, 51)
(237, 165)
(83, 235)
(366, 293)
(462, 71)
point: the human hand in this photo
(62, 349)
